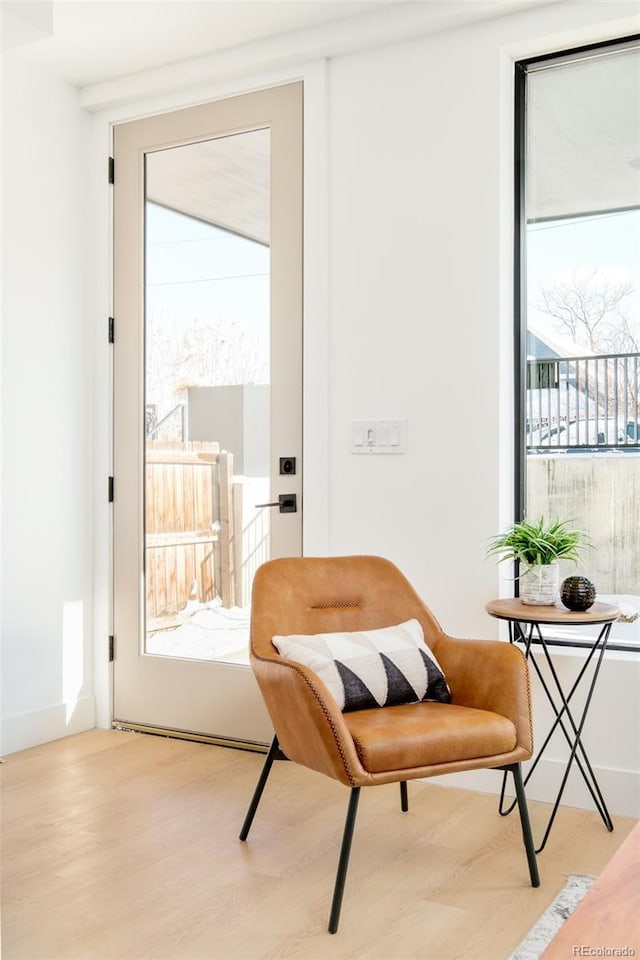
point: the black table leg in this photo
(576, 743)
(561, 709)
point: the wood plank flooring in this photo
(119, 846)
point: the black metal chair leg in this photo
(343, 862)
(404, 796)
(527, 834)
(274, 750)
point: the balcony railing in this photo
(583, 403)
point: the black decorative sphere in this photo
(577, 593)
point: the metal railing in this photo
(583, 403)
(171, 427)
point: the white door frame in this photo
(315, 332)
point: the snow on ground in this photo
(209, 632)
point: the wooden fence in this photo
(189, 525)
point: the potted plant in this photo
(538, 546)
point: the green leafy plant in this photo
(537, 543)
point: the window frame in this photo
(521, 72)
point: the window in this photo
(578, 307)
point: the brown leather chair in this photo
(487, 724)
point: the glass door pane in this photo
(206, 392)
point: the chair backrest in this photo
(308, 595)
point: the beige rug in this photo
(543, 932)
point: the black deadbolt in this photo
(287, 466)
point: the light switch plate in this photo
(378, 436)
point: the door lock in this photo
(287, 466)
(286, 503)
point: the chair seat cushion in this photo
(423, 734)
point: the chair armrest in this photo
(489, 675)
(306, 719)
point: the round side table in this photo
(525, 627)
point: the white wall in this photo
(415, 310)
(416, 220)
(421, 203)
(46, 374)
(421, 320)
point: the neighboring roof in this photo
(556, 344)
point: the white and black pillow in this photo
(371, 668)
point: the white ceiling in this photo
(88, 42)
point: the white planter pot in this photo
(540, 585)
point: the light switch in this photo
(378, 436)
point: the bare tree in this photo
(211, 353)
(201, 354)
(588, 307)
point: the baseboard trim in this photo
(620, 788)
(26, 730)
(252, 746)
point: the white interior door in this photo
(207, 401)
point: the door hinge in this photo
(110, 489)
(112, 170)
(112, 648)
(112, 330)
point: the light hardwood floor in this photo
(119, 846)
